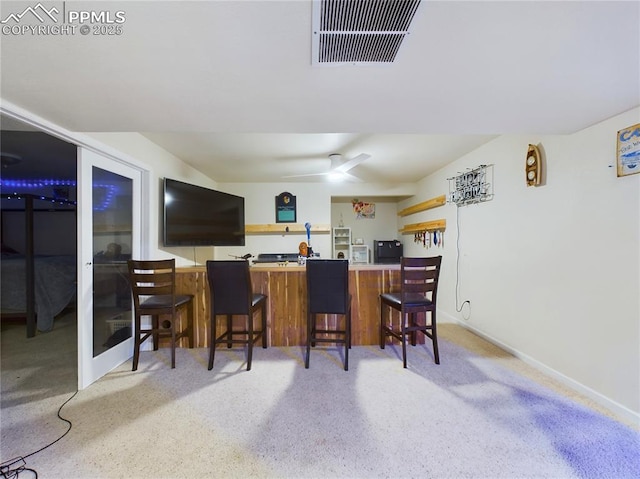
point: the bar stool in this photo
(328, 293)
(418, 293)
(232, 294)
(153, 284)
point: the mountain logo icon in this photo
(38, 11)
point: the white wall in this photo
(382, 227)
(552, 272)
(313, 205)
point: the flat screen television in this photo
(197, 216)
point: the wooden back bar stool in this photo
(417, 297)
(153, 284)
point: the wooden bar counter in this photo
(286, 290)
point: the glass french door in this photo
(109, 208)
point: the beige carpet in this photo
(37, 375)
(463, 418)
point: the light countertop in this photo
(294, 266)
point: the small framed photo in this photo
(628, 154)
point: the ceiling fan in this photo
(338, 170)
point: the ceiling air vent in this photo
(360, 31)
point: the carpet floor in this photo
(472, 416)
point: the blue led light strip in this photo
(18, 196)
(29, 184)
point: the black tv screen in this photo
(197, 216)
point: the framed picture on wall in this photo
(364, 210)
(628, 152)
(285, 208)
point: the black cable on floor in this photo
(13, 473)
(13, 468)
(458, 262)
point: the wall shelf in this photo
(285, 228)
(102, 229)
(425, 205)
(341, 243)
(436, 225)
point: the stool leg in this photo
(310, 318)
(347, 340)
(411, 323)
(155, 325)
(434, 335)
(403, 334)
(382, 333)
(212, 341)
(173, 342)
(136, 343)
(250, 340)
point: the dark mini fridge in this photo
(387, 251)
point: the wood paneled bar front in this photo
(286, 289)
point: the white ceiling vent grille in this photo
(360, 31)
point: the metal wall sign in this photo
(472, 186)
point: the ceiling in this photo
(230, 88)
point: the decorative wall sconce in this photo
(533, 166)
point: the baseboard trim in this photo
(627, 415)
